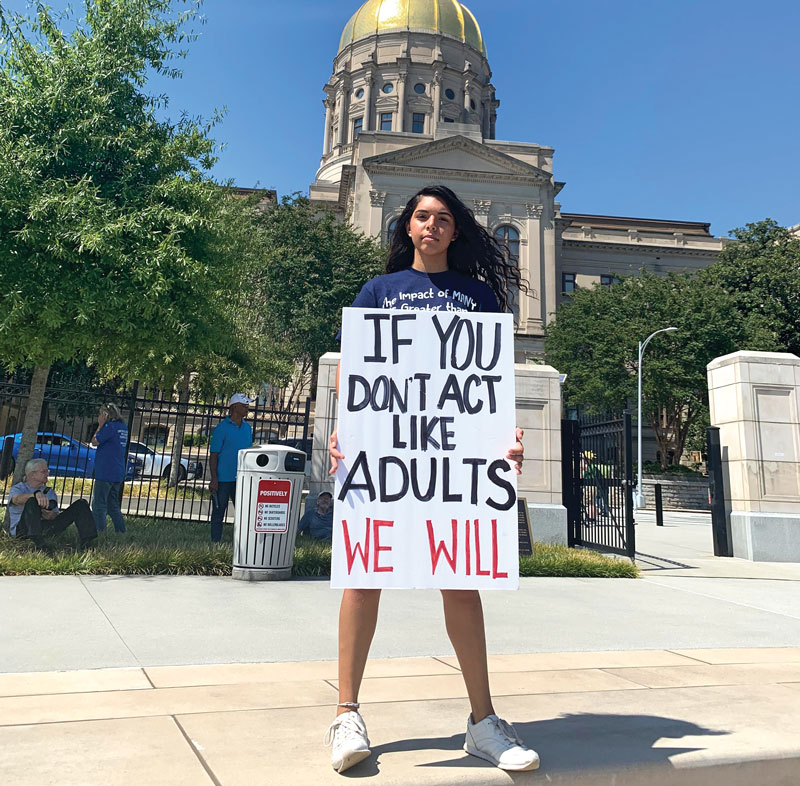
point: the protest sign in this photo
(425, 496)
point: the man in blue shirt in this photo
(111, 440)
(229, 437)
(317, 521)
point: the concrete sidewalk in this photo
(612, 718)
(690, 675)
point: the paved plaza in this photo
(690, 675)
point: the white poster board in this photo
(425, 497)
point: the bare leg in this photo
(463, 618)
(358, 616)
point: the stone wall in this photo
(677, 494)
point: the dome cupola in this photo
(444, 17)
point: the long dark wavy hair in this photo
(474, 252)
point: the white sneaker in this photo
(496, 741)
(348, 735)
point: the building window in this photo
(386, 121)
(418, 123)
(608, 280)
(449, 120)
(472, 103)
(568, 285)
(390, 230)
(449, 94)
(360, 92)
(358, 124)
(509, 237)
(388, 87)
(419, 88)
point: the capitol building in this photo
(411, 103)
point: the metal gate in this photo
(155, 418)
(597, 482)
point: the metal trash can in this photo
(268, 491)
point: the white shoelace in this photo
(349, 727)
(507, 730)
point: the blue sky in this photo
(681, 110)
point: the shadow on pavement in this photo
(579, 743)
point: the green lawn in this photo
(157, 546)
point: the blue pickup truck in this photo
(65, 456)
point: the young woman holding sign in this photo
(439, 258)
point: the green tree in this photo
(311, 266)
(594, 340)
(106, 213)
(761, 273)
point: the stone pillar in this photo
(481, 209)
(326, 144)
(401, 102)
(538, 405)
(534, 273)
(754, 399)
(368, 103)
(376, 201)
(325, 417)
(341, 131)
(549, 292)
(437, 100)
(466, 101)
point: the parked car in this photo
(65, 456)
(158, 465)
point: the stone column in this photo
(341, 131)
(754, 399)
(481, 210)
(326, 144)
(325, 417)
(401, 102)
(549, 292)
(538, 406)
(368, 103)
(437, 99)
(466, 101)
(376, 201)
(534, 313)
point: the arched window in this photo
(509, 237)
(390, 230)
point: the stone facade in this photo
(755, 401)
(411, 103)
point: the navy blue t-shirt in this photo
(109, 459)
(415, 290)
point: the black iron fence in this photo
(162, 430)
(597, 477)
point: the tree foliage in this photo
(114, 243)
(594, 340)
(311, 266)
(761, 273)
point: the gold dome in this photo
(447, 17)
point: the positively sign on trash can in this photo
(272, 508)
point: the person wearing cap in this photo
(229, 436)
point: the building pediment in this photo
(455, 157)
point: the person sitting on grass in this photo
(317, 522)
(34, 512)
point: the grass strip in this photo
(182, 548)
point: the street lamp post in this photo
(639, 487)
